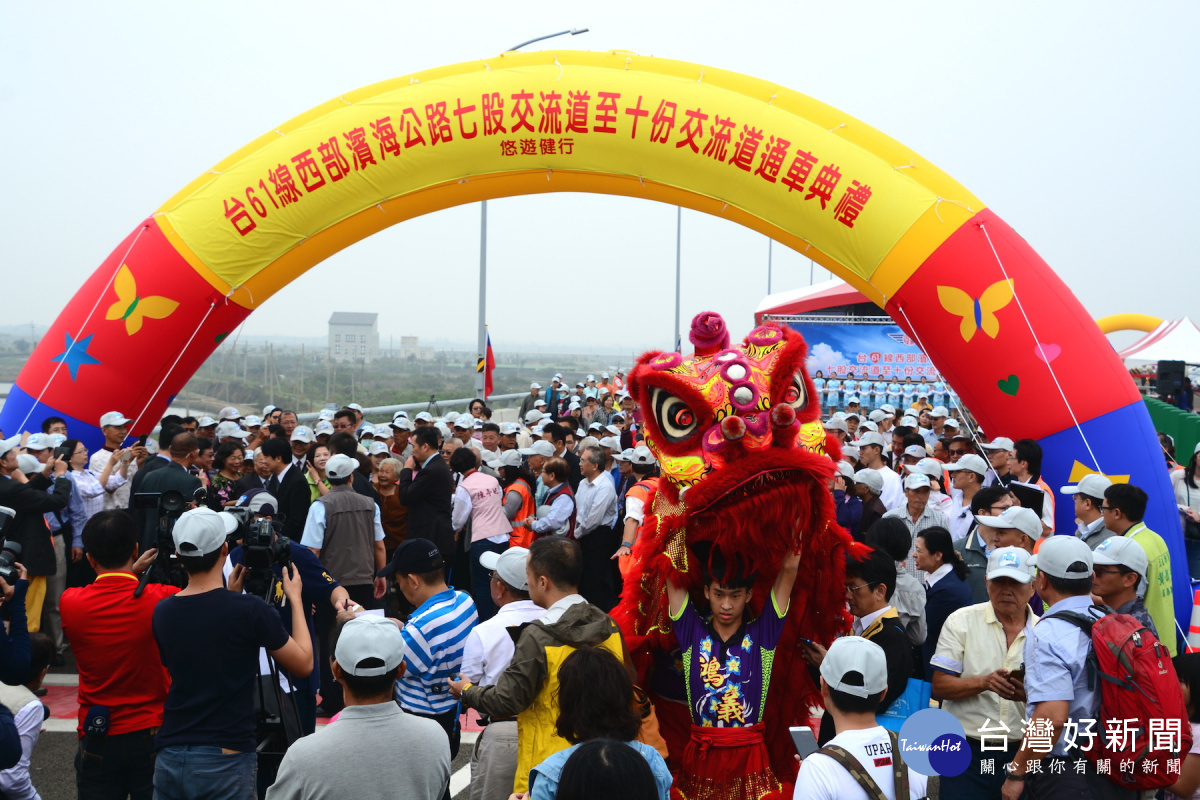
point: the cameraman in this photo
(171, 477)
(318, 587)
(209, 638)
(120, 671)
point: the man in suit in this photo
(29, 498)
(426, 488)
(153, 463)
(260, 478)
(172, 476)
(557, 434)
(289, 487)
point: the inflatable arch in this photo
(997, 322)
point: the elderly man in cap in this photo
(368, 658)
(535, 391)
(487, 653)
(977, 668)
(917, 513)
(1057, 686)
(870, 452)
(1088, 495)
(302, 437)
(846, 500)
(998, 453)
(867, 487)
(837, 427)
(1119, 567)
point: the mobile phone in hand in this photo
(142, 440)
(806, 743)
(1018, 673)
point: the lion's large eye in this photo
(795, 395)
(675, 418)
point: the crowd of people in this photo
(438, 564)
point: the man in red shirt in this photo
(120, 671)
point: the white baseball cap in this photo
(835, 425)
(401, 424)
(845, 470)
(252, 422)
(259, 501)
(939, 411)
(916, 480)
(1091, 485)
(613, 429)
(916, 450)
(509, 565)
(1025, 520)
(850, 451)
(39, 441)
(464, 423)
(535, 385)
(230, 413)
(356, 407)
(611, 443)
(878, 415)
(539, 448)
(850, 400)
(591, 377)
(1121, 552)
(303, 433)
(202, 531)
(340, 466)
(324, 428)
(508, 458)
(268, 409)
(642, 455)
(1063, 556)
(378, 448)
(231, 429)
(856, 666)
(533, 416)
(424, 416)
(970, 462)
(399, 414)
(1010, 562)
(999, 443)
(871, 479)
(28, 464)
(889, 408)
(369, 637)
(509, 429)
(625, 455)
(114, 418)
(206, 422)
(926, 466)
(950, 423)
(909, 422)
(871, 437)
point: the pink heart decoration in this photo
(1047, 352)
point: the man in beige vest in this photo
(345, 531)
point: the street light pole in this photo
(678, 242)
(480, 375)
(770, 245)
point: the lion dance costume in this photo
(744, 465)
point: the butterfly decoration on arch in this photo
(134, 309)
(977, 313)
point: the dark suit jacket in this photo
(575, 476)
(427, 493)
(170, 477)
(898, 652)
(294, 497)
(246, 483)
(29, 529)
(148, 467)
(946, 596)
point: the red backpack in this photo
(1137, 682)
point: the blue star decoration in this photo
(76, 354)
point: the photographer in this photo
(14, 645)
(121, 676)
(318, 588)
(209, 638)
(171, 477)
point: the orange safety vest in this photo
(640, 491)
(522, 537)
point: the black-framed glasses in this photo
(1113, 571)
(1106, 508)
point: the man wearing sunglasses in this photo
(1089, 499)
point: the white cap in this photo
(369, 637)
(202, 531)
(642, 455)
(1121, 552)
(365, 431)
(533, 416)
(854, 414)
(574, 404)
(57, 439)
(835, 425)
(152, 447)
(916, 451)
(509, 565)
(591, 377)
(115, 418)
(926, 466)
(595, 426)
(356, 407)
(871, 438)
(1063, 556)
(231, 429)
(539, 403)
(939, 411)
(909, 422)
(916, 480)
(230, 413)
(970, 462)
(401, 424)
(1025, 520)
(871, 479)
(950, 423)
(206, 422)
(613, 429)
(252, 422)
(539, 448)
(508, 458)
(850, 400)
(604, 375)
(1011, 562)
(535, 385)
(509, 429)
(399, 414)
(854, 654)
(28, 464)
(611, 443)
(999, 443)
(1091, 485)
(378, 448)
(625, 455)
(867, 425)
(323, 428)
(268, 409)
(326, 414)
(889, 408)
(878, 415)
(424, 416)
(845, 470)
(340, 466)
(303, 433)
(464, 423)
(39, 441)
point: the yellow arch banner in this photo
(757, 153)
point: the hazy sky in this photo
(1076, 122)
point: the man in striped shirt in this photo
(434, 636)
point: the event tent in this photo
(1175, 340)
(808, 299)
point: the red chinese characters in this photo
(851, 204)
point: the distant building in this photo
(353, 336)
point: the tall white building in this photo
(353, 336)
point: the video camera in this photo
(169, 507)
(11, 550)
(261, 550)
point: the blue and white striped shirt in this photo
(434, 639)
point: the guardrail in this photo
(442, 406)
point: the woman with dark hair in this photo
(892, 536)
(318, 484)
(1187, 669)
(603, 769)
(1187, 490)
(595, 701)
(227, 463)
(946, 585)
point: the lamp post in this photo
(481, 359)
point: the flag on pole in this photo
(489, 366)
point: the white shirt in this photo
(597, 503)
(821, 777)
(938, 574)
(862, 623)
(460, 513)
(489, 647)
(960, 516)
(554, 613)
(15, 781)
(893, 488)
(115, 497)
(314, 527)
